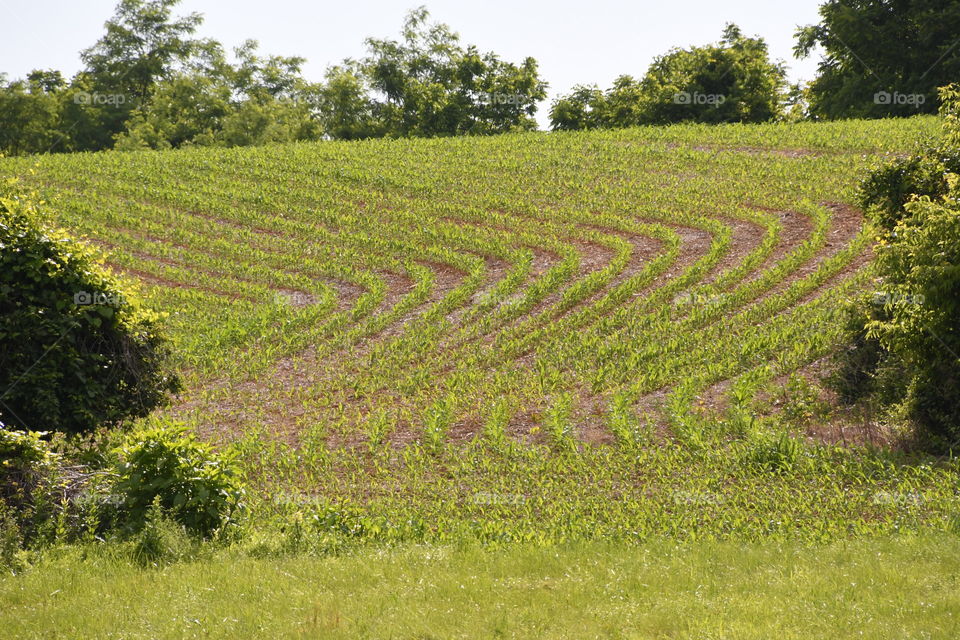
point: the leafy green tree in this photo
(143, 43)
(587, 107)
(259, 100)
(255, 122)
(732, 81)
(30, 113)
(918, 329)
(625, 104)
(430, 85)
(188, 108)
(148, 84)
(345, 108)
(881, 57)
(582, 108)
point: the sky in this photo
(573, 42)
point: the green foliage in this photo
(10, 539)
(558, 423)
(27, 474)
(437, 422)
(29, 116)
(583, 108)
(857, 372)
(881, 58)
(148, 84)
(22, 449)
(257, 101)
(184, 109)
(162, 540)
(194, 486)
(345, 106)
(803, 404)
(903, 345)
(746, 85)
(142, 43)
(31, 485)
(435, 87)
(774, 453)
(920, 267)
(888, 188)
(496, 423)
(77, 349)
(733, 81)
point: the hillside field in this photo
(516, 342)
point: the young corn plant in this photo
(436, 423)
(558, 423)
(495, 426)
(623, 421)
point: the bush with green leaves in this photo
(11, 540)
(162, 540)
(885, 192)
(196, 487)
(31, 483)
(77, 348)
(27, 469)
(919, 329)
(904, 348)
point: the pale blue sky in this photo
(574, 42)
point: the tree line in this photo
(149, 83)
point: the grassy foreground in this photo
(873, 588)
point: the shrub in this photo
(887, 190)
(161, 540)
(918, 331)
(22, 449)
(903, 349)
(857, 362)
(51, 496)
(77, 349)
(28, 479)
(10, 539)
(195, 487)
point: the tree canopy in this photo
(881, 57)
(148, 83)
(731, 81)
